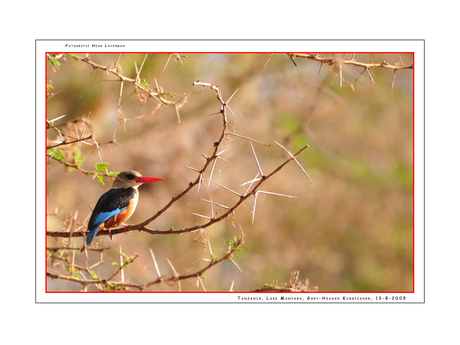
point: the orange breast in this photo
(121, 217)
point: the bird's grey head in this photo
(127, 179)
(132, 178)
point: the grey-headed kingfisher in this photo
(118, 204)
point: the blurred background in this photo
(350, 230)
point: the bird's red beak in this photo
(146, 179)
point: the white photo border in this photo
(415, 46)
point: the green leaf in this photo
(145, 84)
(102, 166)
(78, 158)
(93, 274)
(57, 154)
(54, 61)
(100, 178)
(74, 57)
(163, 95)
(125, 256)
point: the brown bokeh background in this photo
(350, 230)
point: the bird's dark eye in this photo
(130, 177)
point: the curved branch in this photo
(109, 284)
(143, 228)
(352, 62)
(136, 82)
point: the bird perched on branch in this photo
(118, 204)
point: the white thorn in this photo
(296, 161)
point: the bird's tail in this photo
(90, 236)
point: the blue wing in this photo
(99, 219)
(110, 204)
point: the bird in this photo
(118, 204)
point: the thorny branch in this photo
(62, 149)
(143, 226)
(137, 83)
(339, 63)
(295, 285)
(109, 284)
(157, 94)
(352, 62)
